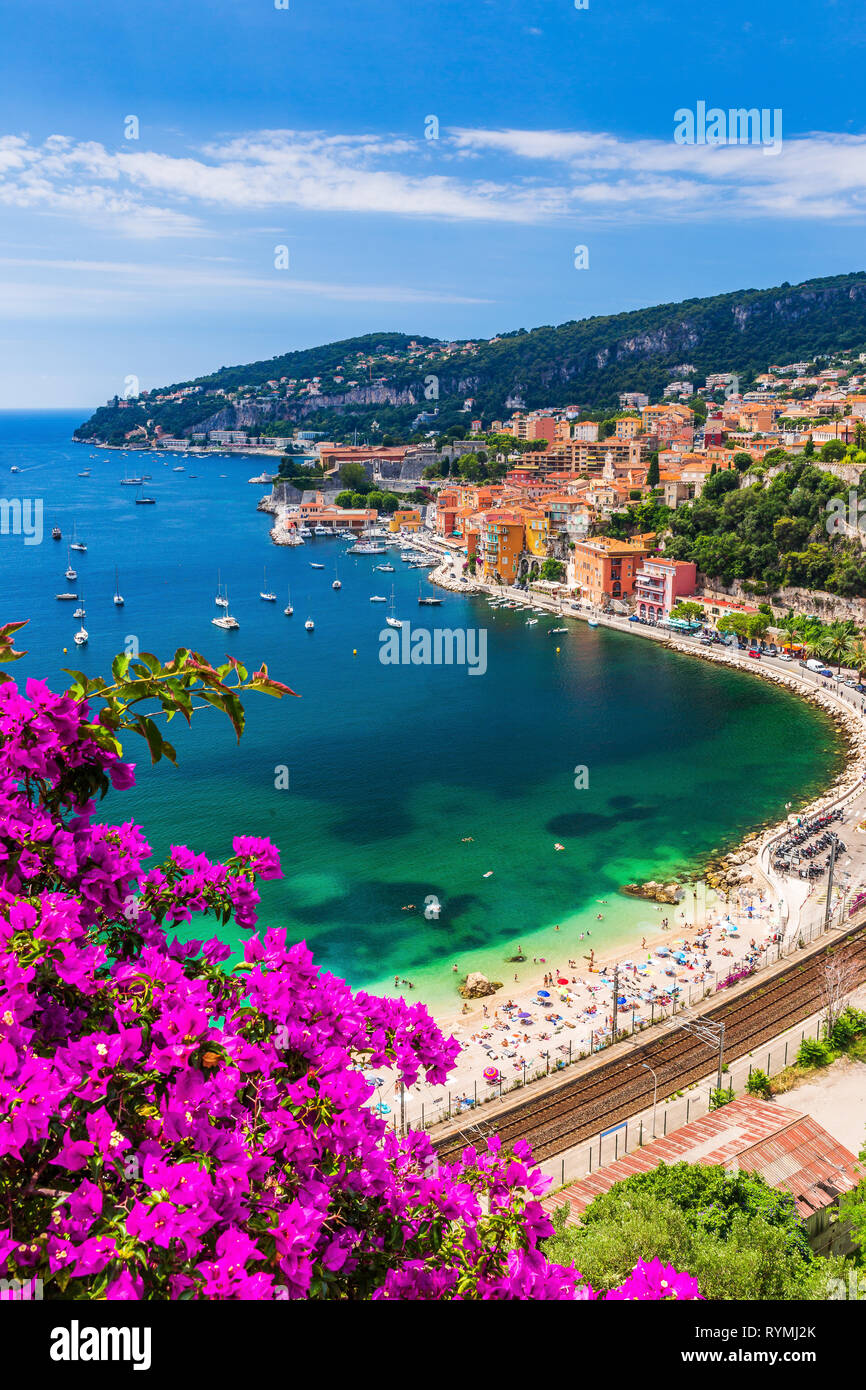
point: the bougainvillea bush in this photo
(172, 1128)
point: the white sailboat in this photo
(221, 601)
(70, 572)
(391, 620)
(75, 543)
(225, 620)
(118, 596)
(80, 637)
(265, 591)
(79, 612)
(289, 610)
(309, 625)
(336, 584)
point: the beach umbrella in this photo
(544, 994)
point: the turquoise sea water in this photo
(392, 768)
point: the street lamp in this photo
(647, 1067)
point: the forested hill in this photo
(586, 361)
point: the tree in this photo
(809, 447)
(744, 1236)
(836, 641)
(688, 611)
(552, 569)
(742, 461)
(838, 979)
(354, 476)
(857, 657)
(833, 451)
(653, 474)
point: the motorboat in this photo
(366, 547)
(321, 531)
(305, 531)
(314, 566)
(309, 625)
(15, 468)
(66, 596)
(56, 533)
(385, 569)
(378, 598)
(145, 501)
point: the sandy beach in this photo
(525, 1031)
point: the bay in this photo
(406, 784)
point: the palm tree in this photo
(837, 640)
(791, 628)
(811, 631)
(857, 656)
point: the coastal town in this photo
(581, 515)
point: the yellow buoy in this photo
(557, 649)
(354, 651)
(64, 651)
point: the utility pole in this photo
(615, 998)
(830, 883)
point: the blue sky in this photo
(305, 128)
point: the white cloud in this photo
(819, 175)
(81, 287)
(529, 176)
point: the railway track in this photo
(606, 1095)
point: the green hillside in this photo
(586, 361)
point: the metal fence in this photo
(681, 1109)
(426, 1106)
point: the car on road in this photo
(784, 656)
(754, 653)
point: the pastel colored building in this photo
(604, 568)
(659, 584)
(502, 538)
(537, 529)
(409, 519)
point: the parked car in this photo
(753, 652)
(827, 673)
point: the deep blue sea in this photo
(404, 782)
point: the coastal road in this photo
(607, 1093)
